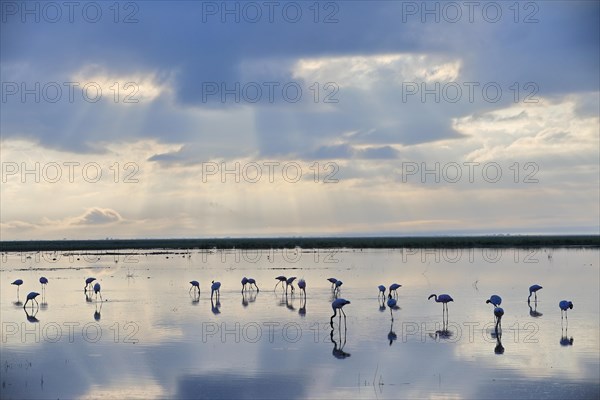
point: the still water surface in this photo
(152, 338)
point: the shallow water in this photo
(151, 338)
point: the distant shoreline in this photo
(532, 241)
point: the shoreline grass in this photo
(508, 241)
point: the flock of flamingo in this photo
(337, 304)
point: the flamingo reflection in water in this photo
(444, 333)
(338, 349)
(248, 297)
(98, 311)
(381, 300)
(32, 317)
(289, 302)
(194, 296)
(565, 340)
(533, 311)
(302, 309)
(215, 306)
(499, 349)
(391, 334)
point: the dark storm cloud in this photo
(559, 54)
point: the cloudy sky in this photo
(210, 119)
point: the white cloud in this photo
(365, 72)
(122, 88)
(98, 216)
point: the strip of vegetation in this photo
(308, 243)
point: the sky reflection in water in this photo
(152, 337)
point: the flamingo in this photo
(244, 283)
(533, 290)
(338, 304)
(381, 291)
(565, 305)
(88, 282)
(442, 298)
(252, 281)
(97, 291)
(32, 296)
(392, 304)
(332, 281)
(195, 285)
(495, 300)
(290, 282)
(394, 287)
(281, 280)
(18, 283)
(215, 287)
(44, 282)
(302, 286)
(337, 286)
